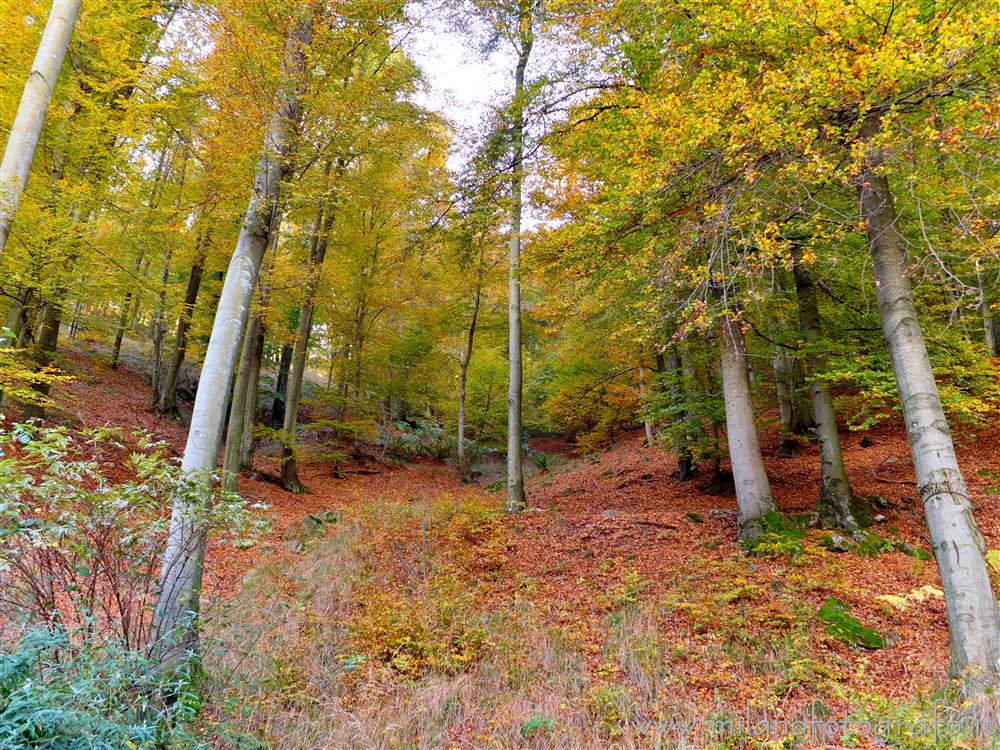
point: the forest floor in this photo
(619, 611)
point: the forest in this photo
(499, 374)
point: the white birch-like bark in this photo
(463, 375)
(753, 491)
(959, 548)
(515, 459)
(32, 109)
(175, 621)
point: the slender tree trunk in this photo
(515, 468)
(973, 615)
(789, 381)
(243, 412)
(686, 467)
(45, 350)
(248, 442)
(168, 396)
(753, 491)
(835, 495)
(175, 620)
(123, 320)
(293, 393)
(647, 423)
(463, 378)
(237, 410)
(991, 327)
(240, 440)
(32, 109)
(788, 446)
(281, 385)
(160, 329)
(74, 323)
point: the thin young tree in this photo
(524, 40)
(293, 392)
(835, 495)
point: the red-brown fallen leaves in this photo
(593, 523)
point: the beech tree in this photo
(175, 627)
(23, 138)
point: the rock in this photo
(880, 518)
(879, 502)
(312, 526)
(839, 543)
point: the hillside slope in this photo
(617, 606)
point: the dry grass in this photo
(407, 626)
(289, 653)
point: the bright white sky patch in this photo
(463, 84)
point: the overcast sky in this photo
(462, 83)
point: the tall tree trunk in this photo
(680, 374)
(244, 406)
(160, 329)
(248, 442)
(991, 326)
(973, 615)
(281, 385)
(789, 382)
(168, 396)
(293, 392)
(788, 445)
(32, 109)
(45, 350)
(835, 494)
(647, 423)
(753, 491)
(463, 378)
(240, 440)
(123, 320)
(175, 619)
(515, 460)
(234, 431)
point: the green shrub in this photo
(80, 543)
(63, 691)
(779, 536)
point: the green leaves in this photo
(71, 534)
